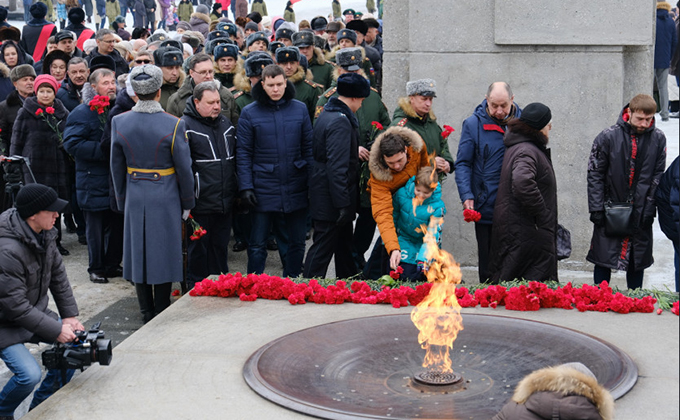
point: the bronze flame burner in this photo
(435, 378)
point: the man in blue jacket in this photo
(665, 45)
(479, 161)
(274, 156)
(103, 227)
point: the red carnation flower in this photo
(447, 131)
(377, 125)
(175, 292)
(39, 111)
(470, 215)
(49, 110)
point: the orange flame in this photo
(437, 317)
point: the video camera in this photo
(88, 347)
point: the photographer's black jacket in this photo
(28, 269)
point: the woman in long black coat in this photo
(523, 239)
(33, 138)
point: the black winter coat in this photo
(29, 270)
(334, 178)
(69, 95)
(525, 214)
(8, 114)
(6, 86)
(213, 146)
(31, 33)
(122, 67)
(668, 202)
(33, 138)
(609, 168)
(123, 104)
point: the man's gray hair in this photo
(102, 33)
(98, 74)
(503, 84)
(76, 60)
(211, 85)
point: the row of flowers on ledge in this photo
(529, 296)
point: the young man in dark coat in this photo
(170, 61)
(523, 245)
(274, 159)
(154, 186)
(105, 47)
(33, 32)
(335, 178)
(668, 203)
(69, 92)
(479, 162)
(212, 141)
(32, 266)
(628, 157)
(104, 228)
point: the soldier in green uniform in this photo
(347, 38)
(170, 62)
(321, 69)
(372, 110)
(306, 91)
(226, 64)
(415, 112)
(247, 77)
(284, 36)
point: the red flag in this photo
(294, 1)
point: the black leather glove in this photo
(248, 198)
(647, 222)
(346, 216)
(597, 217)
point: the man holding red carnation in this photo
(84, 129)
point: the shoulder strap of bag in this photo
(40, 46)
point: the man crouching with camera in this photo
(30, 265)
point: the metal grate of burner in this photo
(437, 378)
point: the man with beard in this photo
(170, 61)
(626, 163)
(70, 91)
(479, 162)
(321, 69)
(212, 141)
(332, 30)
(306, 91)
(104, 228)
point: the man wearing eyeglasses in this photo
(105, 46)
(201, 70)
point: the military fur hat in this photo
(353, 85)
(212, 44)
(349, 58)
(217, 34)
(319, 41)
(423, 87)
(158, 36)
(275, 46)
(171, 43)
(146, 79)
(76, 15)
(257, 36)
(168, 57)
(228, 27)
(287, 54)
(226, 50)
(284, 33)
(303, 39)
(347, 34)
(304, 62)
(10, 33)
(319, 23)
(256, 62)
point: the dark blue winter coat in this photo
(666, 37)
(668, 202)
(335, 175)
(81, 140)
(479, 160)
(68, 95)
(408, 222)
(6, 86)
(274, 151)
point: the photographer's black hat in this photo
(34, 198)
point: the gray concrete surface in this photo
(187, 363)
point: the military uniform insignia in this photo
(238, 94)
(402, 122)
(375, 90)
(319, 110)
(312, 84)
(232, 89)
(330, 93)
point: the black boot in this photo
(145, 299)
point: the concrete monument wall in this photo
(583, 59)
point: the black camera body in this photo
(88, 347)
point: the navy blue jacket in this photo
(668, 202)
(666, 39)
(68, 95)
(274, 151)
(335, 175)
(479, 160)
(81, 140)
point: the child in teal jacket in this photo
(408, 222)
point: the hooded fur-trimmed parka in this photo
(384, 181)
(558, 393)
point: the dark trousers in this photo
(364, 228)
(292, 234)
(483, 234)
(153, 299)
(412, 272)
(633, 277)
(208, 255)
(378, 263)
(104, 232)
(241, 227)
(330, 240)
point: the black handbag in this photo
(563, 238)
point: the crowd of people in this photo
(149, 141)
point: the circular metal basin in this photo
(365, 367)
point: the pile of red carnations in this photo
(529, 297)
